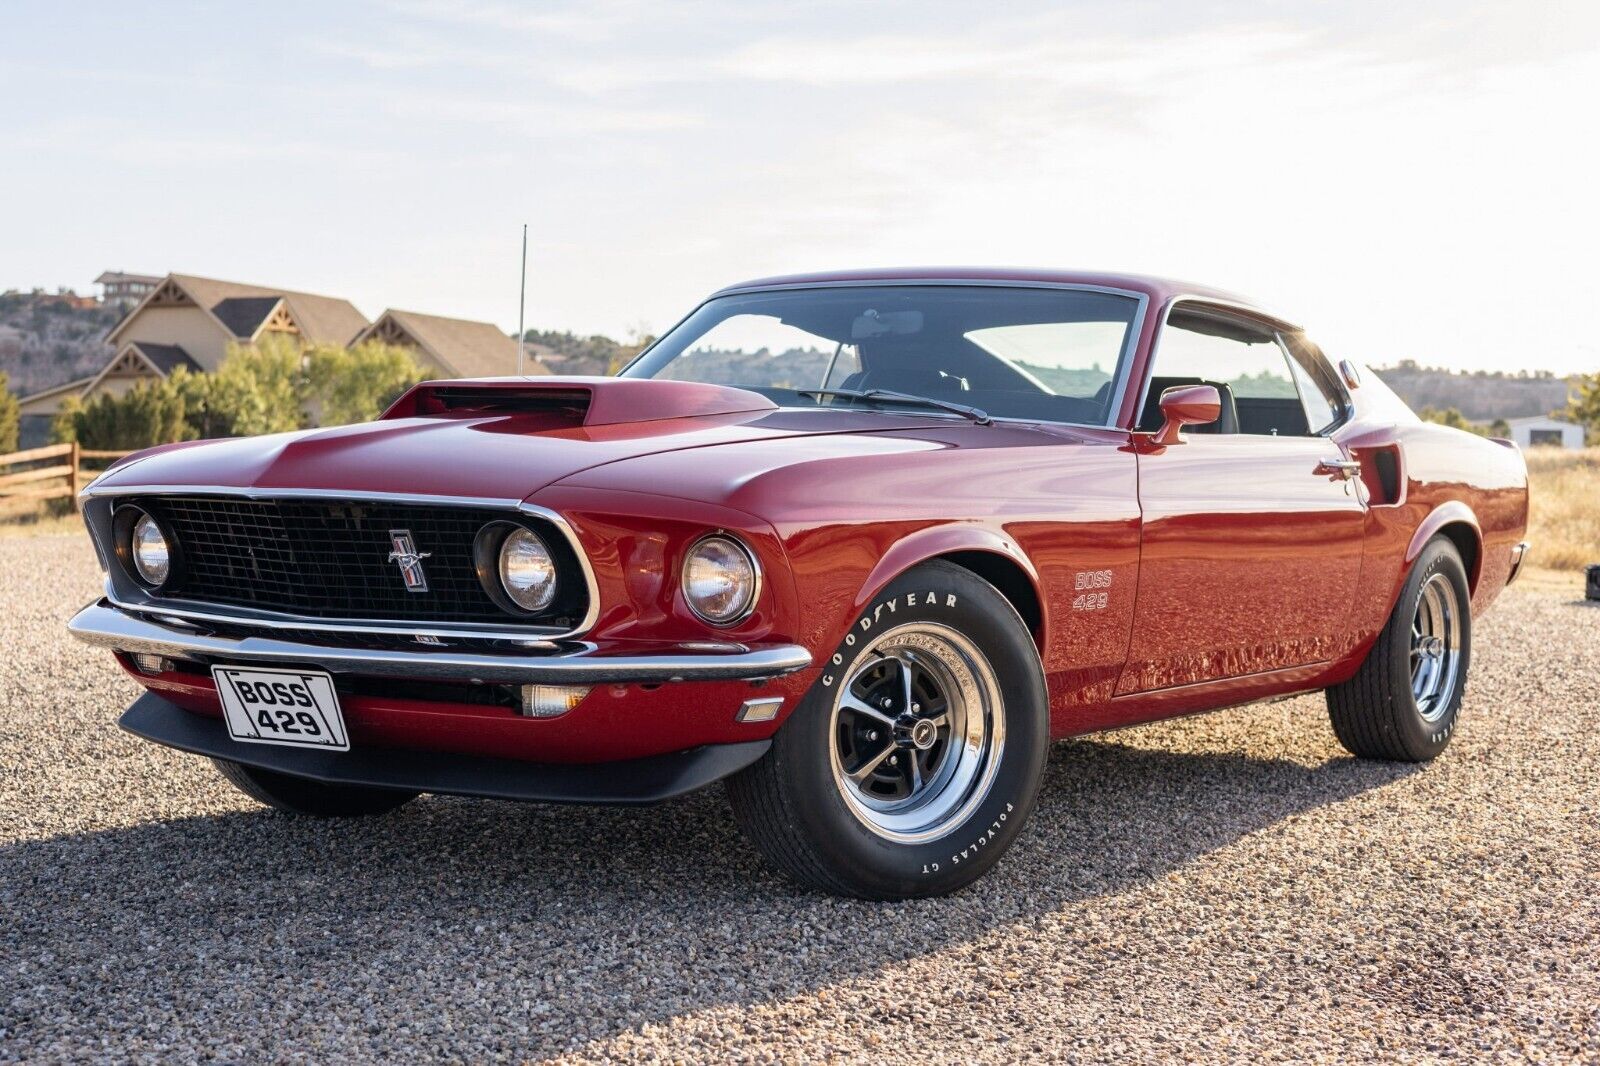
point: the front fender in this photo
(936, 541)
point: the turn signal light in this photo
(151, 664)
(551, 701)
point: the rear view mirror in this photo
(882, 323)
(1186, 405)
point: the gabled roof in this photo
(322, 319)
(164, 357)
(243, 315)
(161, 359)
(461, 347)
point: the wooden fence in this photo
(55, 472)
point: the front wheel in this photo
(1404, 702)
(912, 763)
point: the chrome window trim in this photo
(1266, 318)
(282, 620)
(1130, 344)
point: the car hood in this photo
(499, 456)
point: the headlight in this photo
(720, 580)
(527, 570)
(147, 546)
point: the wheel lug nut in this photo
(886, 703)
(916, 708)
(872, 734)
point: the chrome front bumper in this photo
(105, 626)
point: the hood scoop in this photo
(576, 401)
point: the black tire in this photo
(301, 795)
(794, 808)
(1376, 714)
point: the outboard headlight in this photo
(527, 570)
(720, 580)
(145, 548)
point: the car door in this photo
(1251, 533)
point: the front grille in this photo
(330, 559)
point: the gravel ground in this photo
(1225, 887)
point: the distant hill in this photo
(46, 340)
(567, 353)
(1481, 395)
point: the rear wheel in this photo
(912, 763)
(301, 795)
(1404, 702)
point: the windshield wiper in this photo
(976, 414)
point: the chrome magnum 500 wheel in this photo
(1404, 702)
(917, 733)
(912, 763)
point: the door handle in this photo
(1339, 469)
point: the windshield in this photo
(1037, 354)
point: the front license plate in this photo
(294, 707)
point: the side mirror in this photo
(1186, 405)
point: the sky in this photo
(1409, 179)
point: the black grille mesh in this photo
(330, 559)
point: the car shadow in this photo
(522, 918)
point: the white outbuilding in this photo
(1543, 431)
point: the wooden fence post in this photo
(76, 475)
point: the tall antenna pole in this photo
(522, 300)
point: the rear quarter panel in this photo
(1447, 478)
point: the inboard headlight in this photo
(152, 557)
(720, 580)
(527, 570)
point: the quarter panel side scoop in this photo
(576, 401)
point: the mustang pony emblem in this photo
(405, 553)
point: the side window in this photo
(1243, 360)
(1325, 401)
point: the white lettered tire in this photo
(911, 765)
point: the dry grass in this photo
(1564, 506)
(40, 520)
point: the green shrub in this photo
(10, 416)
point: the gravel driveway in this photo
(1226, 887)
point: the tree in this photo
(10, 416)
(356, 384)
(1583, 404)
(151, 412)
(1452, 417)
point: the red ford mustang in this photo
(861, 544)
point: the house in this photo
(191, 322)
(451, 347)
(1543, 431)
(119, 287)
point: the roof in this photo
(1531, 420)
(111, 277)
(165, 357)
(322, 319)
(243, 315)
(460, 346)
(1160, 290)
